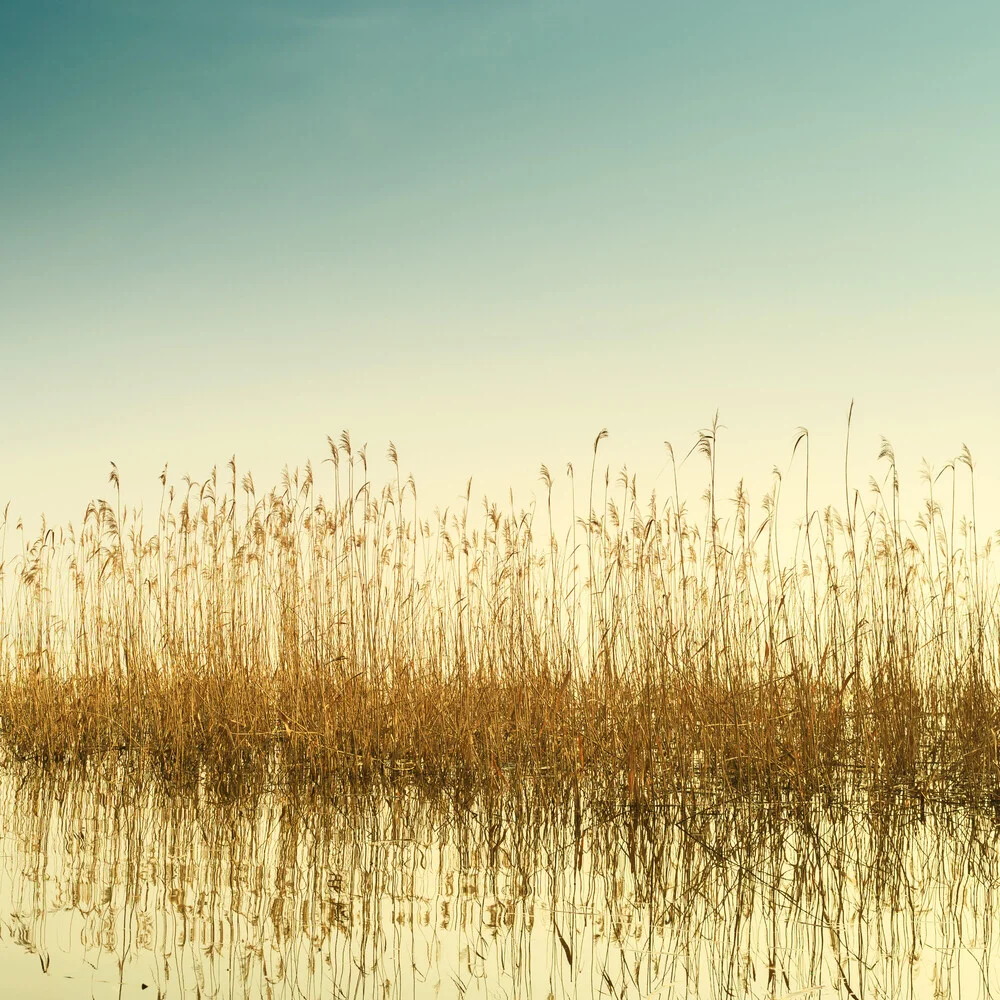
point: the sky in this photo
(486, 230)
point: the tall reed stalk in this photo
(354, 639)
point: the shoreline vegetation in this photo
(639, 653)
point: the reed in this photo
(639, 651)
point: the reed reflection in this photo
(115, 883)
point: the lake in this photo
(115, 885)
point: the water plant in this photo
(639, 650)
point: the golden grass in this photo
(638, 650)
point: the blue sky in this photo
(487, 230)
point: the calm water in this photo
(111, 888)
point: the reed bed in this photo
(637, 651)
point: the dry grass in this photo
(638, 650)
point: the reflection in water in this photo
(109, 885)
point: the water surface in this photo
(113, 887)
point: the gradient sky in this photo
(486, 230)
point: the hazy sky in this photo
(485, 230)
